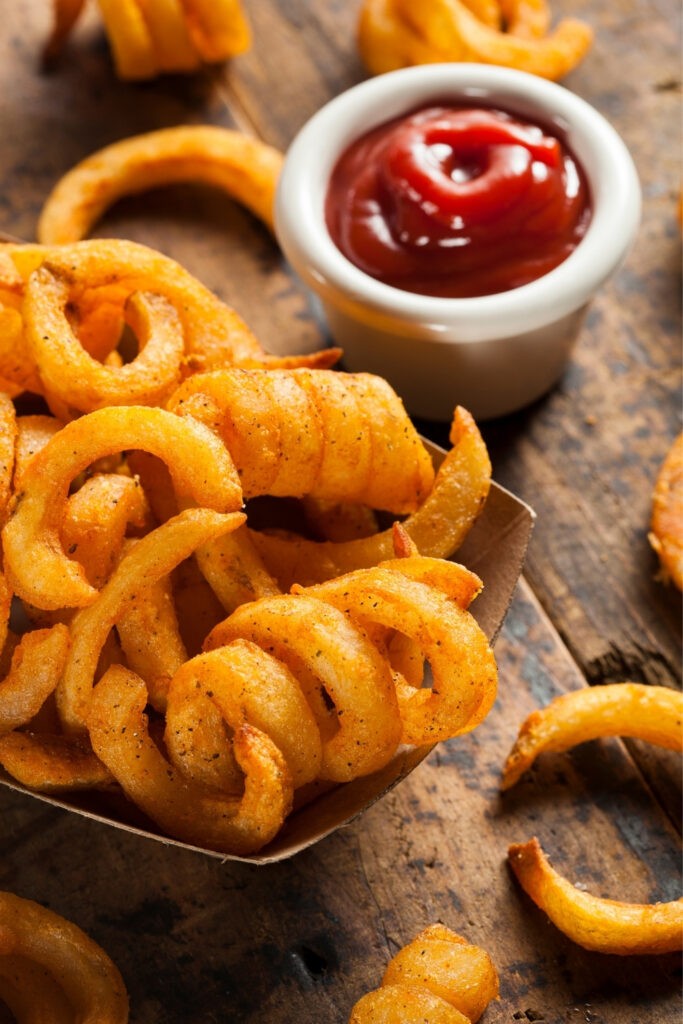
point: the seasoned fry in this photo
(437, 978)
(666, 527)
(651, 713)
(149, 37)
(238, 683)
(199, 463)
(189, 811)
(399, 33)
(462, 663)
(440, 960)
(37, 664)
(602, 925)
(152, 558)
(71, 378)
(335, 436)
(39, 948)
(243, 167)
(438, 527)
(52, 763)
(104, 273)
(95, 521)
(150, 638)
(336, 664)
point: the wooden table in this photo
(200, 941)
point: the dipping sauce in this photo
(457, 202)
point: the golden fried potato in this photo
(47, 964)
(601, 925)
(400, 33)
(321, 433)
(197, 814)
(438, 527)
(666, 527)
(243, 167)
(199, 463)
(438, 978)
(651, 713)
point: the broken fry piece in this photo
(652, 713)
(602, 925)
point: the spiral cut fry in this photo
(50, 970)
(338, 436)
(124, 547)
(438, 977)
(73, 313)
(199, 464)
(335, 637)
(602, 925)
(666, 527)
(184, 809)
(399, 33)
(151, 37)
(651, 713)
(243, 167)
(152, 558)
(437, 528)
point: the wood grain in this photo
(199, 941)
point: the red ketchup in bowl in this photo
(457, 202)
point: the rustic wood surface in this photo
(200, 941)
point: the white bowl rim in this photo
(612, 176)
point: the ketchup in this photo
(457, 202)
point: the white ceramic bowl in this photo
(493, 354)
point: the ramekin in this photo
(493, 354)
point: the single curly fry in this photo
(243, 167)
(399, 33)
(150, 639)
(148, 561)
(438, 978)
(450, 23)
(462, 663)
(184, 809)
(89, 981)
(336, 665)
(72, 377)
(601, 925)
(666, 527)
(438, 527)
(236, 684)
(33, 433)
(338, 436)
(103, 275)
(448, 966)
(651, 713)
(52, 763)
(201, 468)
